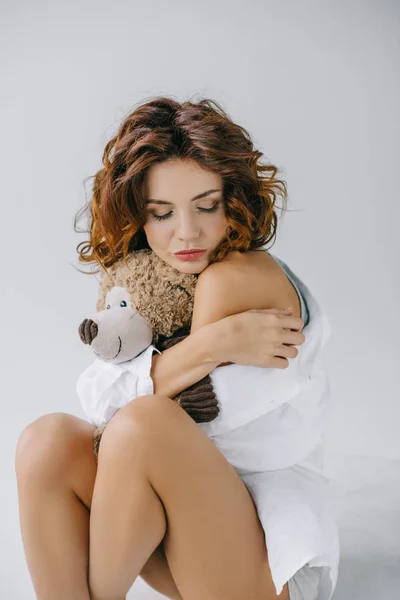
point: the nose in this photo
(188, 227)
(88, 330)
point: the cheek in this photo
(157, 233)
(220, 225)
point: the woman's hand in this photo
(258, 337)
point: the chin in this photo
(194, 268)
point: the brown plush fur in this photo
(161, 294)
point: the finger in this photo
(289, 322)
(287, 351)
(278, 362)
(293, 338)
(271, 310)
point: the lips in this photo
(189, 255)
(191, 251)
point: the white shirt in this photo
(270, 428)
(103, 388)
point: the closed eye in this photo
(203, 210)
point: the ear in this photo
(106, 284)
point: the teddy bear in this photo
(142, 301)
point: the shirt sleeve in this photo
(103, 388)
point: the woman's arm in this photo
(223, 289)
(189, 361)
(234, 285)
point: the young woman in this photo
(185, 181)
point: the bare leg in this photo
(52, 452)
(125, 509)
(157, 574)
(56, 472)
(159, 475)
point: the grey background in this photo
(317, 86)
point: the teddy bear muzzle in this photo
(88, 330)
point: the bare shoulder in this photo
(255, 268)
(239, 282)
(273, 278)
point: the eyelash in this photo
(206, 210)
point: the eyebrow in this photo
(207, 193)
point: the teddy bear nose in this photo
(88, 330)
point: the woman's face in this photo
(177, 219)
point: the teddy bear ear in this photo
(106, 284)
(101, 300)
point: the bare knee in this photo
(51, 443)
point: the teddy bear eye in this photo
(108, 306)
(122, 303)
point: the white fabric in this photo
(310, 583)
(270, 428)
(103, 388)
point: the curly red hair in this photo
(163, 128)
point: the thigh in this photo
(156, 574)
(59, 446)
(214, 541)
(219, 531)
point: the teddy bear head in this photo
(140, 299)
